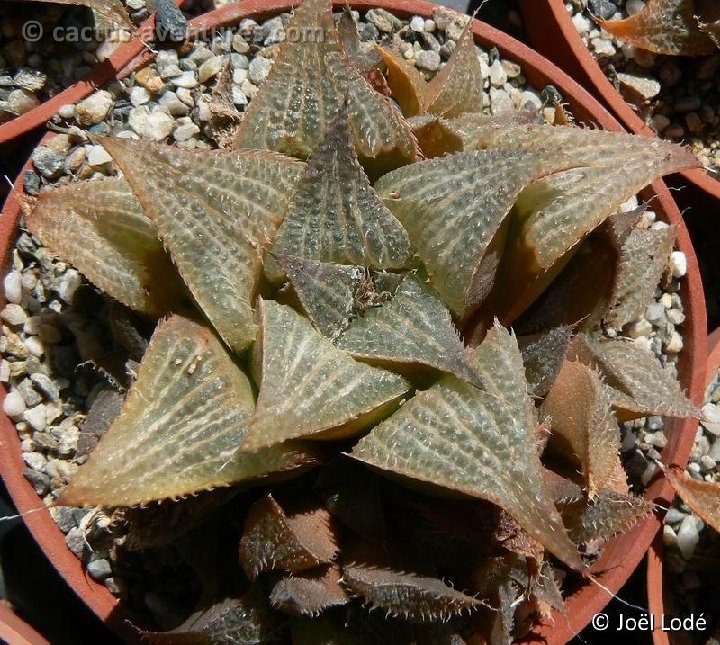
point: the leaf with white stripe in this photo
(336, 216)
(99, 227)
(458, 87)
(414, 328)
(309, 388)
(455, 209)
(643, 257)
(216, 212)
(477, 443)
(326, 291)
(583, 424)
(179, 427)
(307, 85)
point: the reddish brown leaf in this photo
(702, 497)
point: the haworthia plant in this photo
(314, 290)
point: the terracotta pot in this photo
(15, 631)
(660, 601)
(552, 33)
(102, 74)
(622, 554)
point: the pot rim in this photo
(654, 579)
(100, 75)
(552, 31)
(623, 553)
(15, 631)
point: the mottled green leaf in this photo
(406, 595)
(543, 355)
(309, 593)
(413, 328)
(642, 386)
(579, 408)
(477, 443)
(310, 388)
(100, 228)
(307, 85)
(336, 216)
(608, 514)
(183, 418)
(327, 292)
(457, 87)
(643, 257)
(455, 209)
(216, 212)
(288, 540)
(663, 27)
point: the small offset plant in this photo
(333, 292)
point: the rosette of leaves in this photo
(314, 284)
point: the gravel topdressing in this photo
(678, 97)
(63, 362)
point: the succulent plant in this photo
(333, 291)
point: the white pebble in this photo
(159, 125)
(4, 371)
(211, 67)
(35, 460)
(634, 6)
(582, 24)
(69, 284)
(674, 344)
(13, 287)
(139, 96)
(498, 75)
(97, 156)
(258, 69)
(417, 23)
(430, 25)
(186, 79)
(678, 264)
(687, 537)
(36, 417)
(35, 346)
(14, 315)
(14, 404)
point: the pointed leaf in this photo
(458, 87)
(232, 201)
(643, 258)
(454, 208)
(663, 27)
(608, 514)
(703, 497)
(275, 539)
(312, 75)
(310, 593)
(579, 408)
(543, 355)
(555, 213)
(435, 136)
(326, 291)
(100, 228)
(407, 595)
(183, 417)
(414, 328)
(111, 10)
(644, 386)
(472, 127)
(407, 84)
(309, 388)
(475, 443)
(233, 621)
(336, 216)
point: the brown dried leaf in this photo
(407, 84)
(99, 227)
(702, 497)
(664, 27)
(457, 87)
(286, 540)
(309, 593)
(407, 595)
(583, 423)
